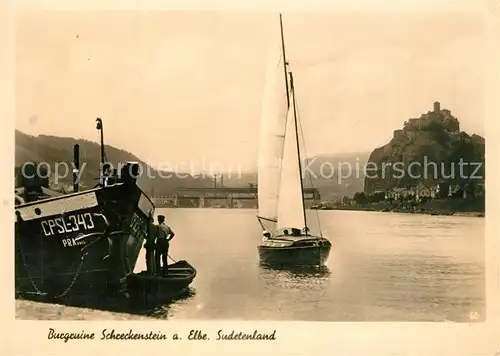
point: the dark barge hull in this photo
(146, 289)
(309, 251)
(83, 243)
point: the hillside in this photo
(52, 149)
(426, 150)
(330, 183)
(326, 180)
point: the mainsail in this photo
(272, 134)
(280, 186)
(290, 207)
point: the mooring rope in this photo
(172, 258)
(77, 273)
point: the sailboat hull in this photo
(310, 252)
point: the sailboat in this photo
(286, 239)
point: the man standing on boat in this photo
(163, 236)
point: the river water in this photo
(382, 267)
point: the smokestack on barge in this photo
(76, 166)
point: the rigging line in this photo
(284, 60)
(298, 151)
(299, 121)
(264, 227)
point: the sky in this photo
(182, 87)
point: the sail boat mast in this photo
(284, 61)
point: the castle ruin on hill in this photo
(436, 118)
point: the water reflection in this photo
(157, 309)
(161, 311)
(295, 282)
(296, 271)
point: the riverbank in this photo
(455, 207)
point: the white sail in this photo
(272, 131)
(290, 209)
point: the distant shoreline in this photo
(420, 212)
(371, 209)
(446, 207)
